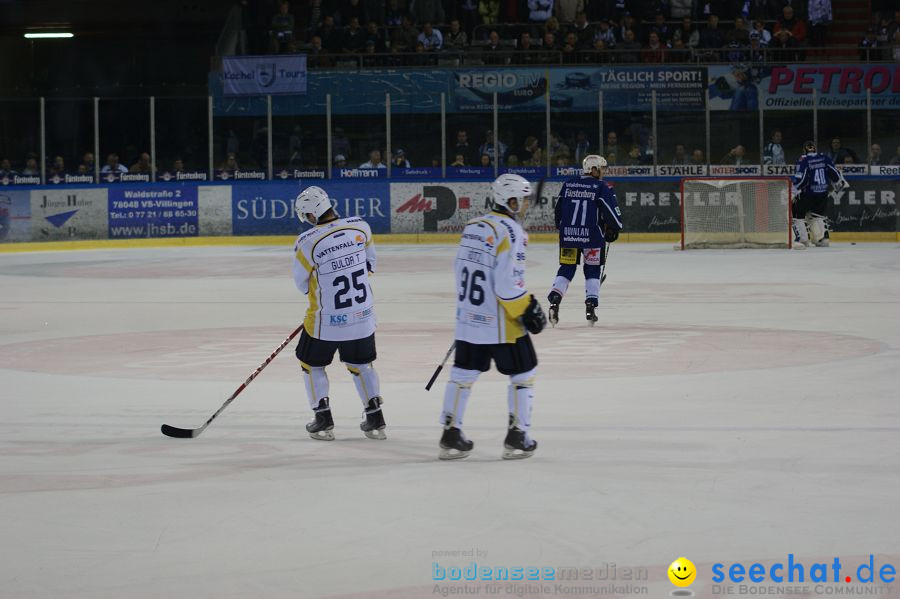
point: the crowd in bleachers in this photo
(370, 33)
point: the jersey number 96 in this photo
(469, 286)
(343, 283)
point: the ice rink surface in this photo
(730, 406)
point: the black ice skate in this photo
(590, 305)
(518, 445)
(373, 425)
(454, 445)
(321, 428)
(555, 300)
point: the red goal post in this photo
(735, 212)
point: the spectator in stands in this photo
(598, 54)
(536, 158)
(393, 16)
(612, 144)
(489, 11)
(340, 161)
(428, 11)
(868, 47)
(422, 57)
(459, 160)
(583, 30)
(142, 165)
(838, 153)
(229, 166)
(315, 55)
(570, 49)
(783, 47)
(31, 165)
(679, 52)
(88, 161)
(6, 169)
(331, 38)
(756, 54)
(526, 53)
(58, 166)
(468, 10)
(431, 38)
(773, 152)
(654, 53)
(582, 146)
(875, 158)
(687, 33)
(634, 156)
(611, 159)
(488, 146)
(313, 15)
(374, 160)
(759, 28)
(697, 157)
(680, 157)
(400, 160)
(528, 148)
(740, 34)
(678, 9)
(895, 47)
(552, 26)
(354, 39)
(819, 19)
(759, 10)
(404, 39)
(789, 22)
(178, 165)
(485, 161)
(539, 11)
(549, 50)
(282, 27)
(462, 146)
(370, 57)
(661, 28)
(606, 34)
(374, 35)
(896, 158)
(631, 49)
(112, 165)
(567, 10)
(492, 52)
(456, 38)
(736, 155)
(557, 147)
(883, 31)
(712, 39)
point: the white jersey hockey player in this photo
(332, 262)
(493, 311)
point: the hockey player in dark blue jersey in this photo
(810, 190)
(588, 217)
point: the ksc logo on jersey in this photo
(337, 320)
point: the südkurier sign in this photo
(264, 75)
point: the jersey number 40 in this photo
(343, 283)
(469, 286)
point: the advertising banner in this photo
(521, 90)
(15, 215)
(264, 75)
(268, 209)
(58, 214)
(153, 211)
(628, 88)
(790, 87)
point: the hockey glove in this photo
(610, 234)
(533, 318)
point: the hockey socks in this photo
(456, 396)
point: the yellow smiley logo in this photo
(682, 572)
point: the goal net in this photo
(736, 213)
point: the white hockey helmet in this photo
(590, 161)
(312, 200)
(507, 187)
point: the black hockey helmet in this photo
(809, 147)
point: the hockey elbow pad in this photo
(534, 318)
(611, 234)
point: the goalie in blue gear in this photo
(588, 217)
(815, 172)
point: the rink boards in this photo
(414, 211)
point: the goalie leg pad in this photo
(366, 380)
(456, 396)
(801, 233)
(817, 226)
(316, 382)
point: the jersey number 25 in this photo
(340, 302)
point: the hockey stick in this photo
(441, 367)
(190, 433)
(605, 258)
